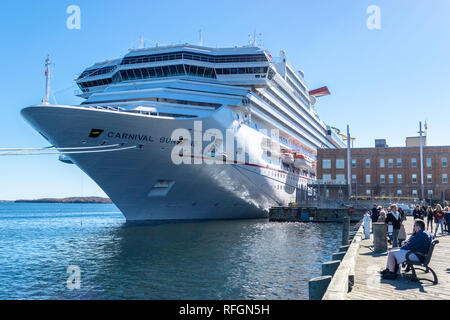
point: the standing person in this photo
(366, 224)
(375, 214)
(430, 219)
(438, 214)
(402, 214)
(382, 217)
(393, 219)
(366, 220)
(402, 231)
(418, 213)
(447, 219)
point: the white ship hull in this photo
(199, 191)
(139, 100)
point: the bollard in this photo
(338, 256)
(345, 230)
(318, 287)
(344, 248)
(330, 267)
(379, 237)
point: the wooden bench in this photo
(424, 263)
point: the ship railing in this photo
(330, 182)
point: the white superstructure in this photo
(143, 97)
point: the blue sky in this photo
(382, 81)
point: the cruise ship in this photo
(197, 132)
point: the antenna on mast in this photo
(254, 40)
(200, 40)
(47, 80)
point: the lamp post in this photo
(421, 162)
(349, 174)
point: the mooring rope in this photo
(27, 153)
(55, 148)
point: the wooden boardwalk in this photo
(369, 285)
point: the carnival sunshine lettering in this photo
(130, 136)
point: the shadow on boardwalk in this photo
(369, 285)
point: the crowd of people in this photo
(421, 238)
(394, 217)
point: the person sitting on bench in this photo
(419, 242)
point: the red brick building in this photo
(384, 172)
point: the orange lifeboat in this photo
(302, 161)
(287, 158)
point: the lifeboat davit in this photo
(302, 161)
(287, 158)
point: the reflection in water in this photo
(250, 259)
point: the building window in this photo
(368, 192)
(340, 163)
(428, 162)
(413, 162)
(444, 162)
(430, 194)
(399, 179)
(381, 163)
(429, 178)
(367, 163)
(353, 178)
(340, 177)
(327, 193)
(391, 178)
(326, 164)
(340, 194)
(399, 193)
(399, 163)
(414, 193)
(414, 178)
(383, 193)
(382, 179)
(367, 178)
(353, 163)
(444, 178)
(326, 177)
(390, 163)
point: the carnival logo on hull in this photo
(95, 133)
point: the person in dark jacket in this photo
(430, 218)
(375, 214)
(447, 219)
(395, 219)
(419, 242)
(418, 213)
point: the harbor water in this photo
(244, 259)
